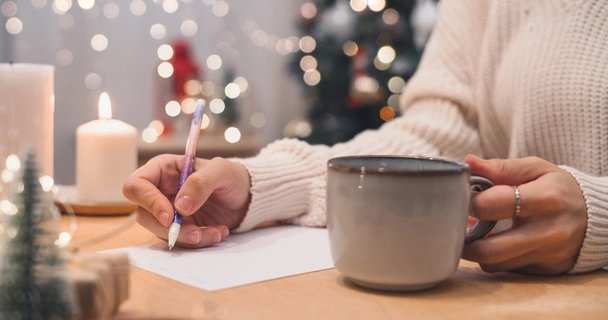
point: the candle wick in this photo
(11, 62)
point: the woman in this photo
(523, 83)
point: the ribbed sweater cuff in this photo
(594, 251)
(281, 182)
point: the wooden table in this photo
(468, 294)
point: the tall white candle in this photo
(106, 151)
(27, 106)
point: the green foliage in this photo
(32, 285)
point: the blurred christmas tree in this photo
(32, 283)
(356, 56)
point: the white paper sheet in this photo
(241, 259)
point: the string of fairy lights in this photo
(189, 28)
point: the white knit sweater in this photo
(499, 79)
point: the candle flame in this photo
(105, 107)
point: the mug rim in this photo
(459, 166)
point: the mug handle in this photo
(480, 228)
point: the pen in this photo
(195, 129)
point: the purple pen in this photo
(191, 144)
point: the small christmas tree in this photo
(356, 56)
(32, 283)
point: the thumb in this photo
(214, 175)
(510, 171)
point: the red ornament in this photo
(184, 69)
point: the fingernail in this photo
(225, 232)
(192, 236)
(184, 204)
(163, 217)
(216, 237)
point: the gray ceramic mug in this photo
(400, 223)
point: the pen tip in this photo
(170, 247)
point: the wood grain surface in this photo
(469, 294)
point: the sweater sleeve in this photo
(438, 119)
(594, 251)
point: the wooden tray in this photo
(67, 198)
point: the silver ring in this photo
(517, 200)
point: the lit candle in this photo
(106, 154)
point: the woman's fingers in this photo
(510, 172)
(503, 246)
(190, 235)
(142, 188)
(216, 174)
(536, 198)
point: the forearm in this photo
(288, 177)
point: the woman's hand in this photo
(213, 200)
(548, 232)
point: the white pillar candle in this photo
(27, 106)
(106, 154)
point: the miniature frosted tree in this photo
(32, 282)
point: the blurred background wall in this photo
(320, 70)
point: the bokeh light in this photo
(14, 25)
(173, 109)
(86, 4)
(396, 84)
(376, 5)
(62, 6)
(13, 163)
(358, 5)
(158, 126)
(350, 48)
(191, 87)
(8, 9)
(258, 120)
(390, 16)
(308, 63)
(312, 77)
(164, 52)
(92, 81)
(47, 183)
(220, 8)
(207, 88)
(232, 90)
(308, 10)
(386, 54)
(138, 7)
(217, 106)
(308, 44)
(214, 62)
(111, 10)
(188, 106)
(387, 113)
(170, 6)
(366, 84)
(165, 69)
(158, 31)
(232, 135)
(189, 28)
(242, 83)
(205, 122)
(149, 135)
(393, 101)
(99, 42)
